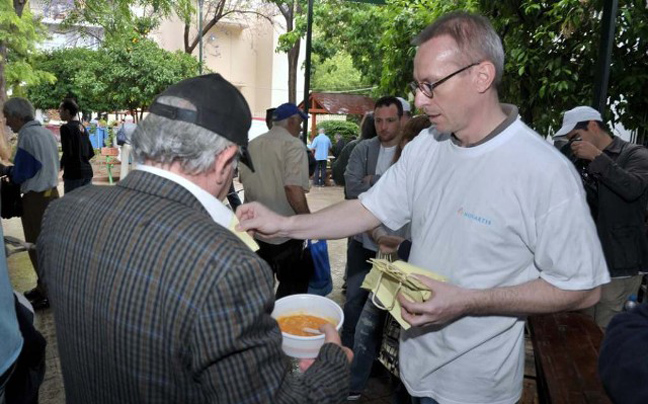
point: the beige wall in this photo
(241, 51)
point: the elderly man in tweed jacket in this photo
(155, 300)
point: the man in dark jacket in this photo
(615, 176)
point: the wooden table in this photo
(566, 348)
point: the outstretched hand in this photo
(256, 218)
(447, 303)
(332, 336)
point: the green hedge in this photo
(348, 130)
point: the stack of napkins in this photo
(387, 279)
(246, 238)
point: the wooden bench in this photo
(566, 347)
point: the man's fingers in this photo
(429, 282)
(331, 335)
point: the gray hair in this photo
(18, 107)
(166, 141)
(474, 35)
(283, 123)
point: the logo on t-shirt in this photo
(475, 218)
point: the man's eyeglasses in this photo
(428, 89)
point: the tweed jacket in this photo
(156, 303)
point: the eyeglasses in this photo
(428, 89)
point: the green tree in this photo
(112, 77)
(138, 74)
(19, 33)
(551, 52)
(355, 29)
(336, 73)
(79, 74)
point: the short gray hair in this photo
(166, 141)
(283, 123)
(18, 107)
(474, 35)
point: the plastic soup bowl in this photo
(314, 305)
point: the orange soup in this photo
(294, 324)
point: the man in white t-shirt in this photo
(490, 208)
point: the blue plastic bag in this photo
(321, 283)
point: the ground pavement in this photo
(23, 278)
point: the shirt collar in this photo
(615, 147)
(219, 212)
(29, 124)
(511, 112)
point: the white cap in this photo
(575, 115)
(405, 104)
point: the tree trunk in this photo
(288, 12)
(293, 61)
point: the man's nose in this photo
(420, 99)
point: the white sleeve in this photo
(390, 198)
(568, 252)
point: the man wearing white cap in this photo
(407, 111)
(615, 176)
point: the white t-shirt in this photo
(501, 213)
(385, 159)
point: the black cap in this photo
(220, 108)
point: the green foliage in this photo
(78, 72)
(348, 130)
(353, 28)
(335, 73)
(19, 35)
(138, 73)
(111, 78)
(121, 25)
(551, 51)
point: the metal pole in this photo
(309, 36)
(602, 78)
(200, 33)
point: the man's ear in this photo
(223, 163)
(592, 126)
(485, 76)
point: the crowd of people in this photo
(159, 294)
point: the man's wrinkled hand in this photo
(447, 303)
(255, 218)
(332, 336)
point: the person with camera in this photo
(615, 177)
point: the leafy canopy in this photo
(112, 77)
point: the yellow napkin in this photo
(249, 241)
(387, 279)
